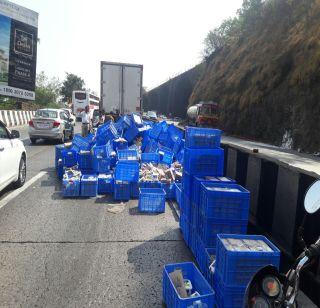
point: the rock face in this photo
(268, 82)
(173, 95)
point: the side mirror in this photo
(15, 134)
(312, 198)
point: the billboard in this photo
(18, 50)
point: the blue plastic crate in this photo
(69, 158)
(131, 133)
(120, 144)
(196, 138)
(199, 180)
(166, 157)
(178, 193)
(101, 164)
(187, 184)
(224, 201)
(106, 132)
(85, 160)
(105, 184)
(60, 169)
(128, 154)
(237, 266)
(89, 185)
(185, 208)
(203, 161)
(152, 200)
(121, 191)
(99, 151)
(189, 271)
(205, 256)
(156, 130)
(227, 296)
(185, 229)
(209, 228)
(149, 184)
(163, 138)
(150, 157)
(58, 153)
(151, 147)
(169, 189)
(80, 143)
(71, 187)
(134, 190)
(127, 171)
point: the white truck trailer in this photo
(121, 87)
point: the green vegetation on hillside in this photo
(263, 69)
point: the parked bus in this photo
(81, 99)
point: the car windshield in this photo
(46, 114)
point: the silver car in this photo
(50, 124)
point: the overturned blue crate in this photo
(196, 138)
(152, 200)
(105, 184)
(156, 130)
(127, 171)
(128, 154)
(85, 160)
(150, 157)
(240, 256)
(189, 271)
(106, 132)
(121, 191)
(224, 201)
(203, 161)
(80, 143)
(71, 187)
(166, 156)
(131, 133)
(89, 185)
(99, 150)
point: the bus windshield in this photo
(206, 110)
(80, 95)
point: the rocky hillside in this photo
(267, 82)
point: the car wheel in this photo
(33, 140)
(22, 173)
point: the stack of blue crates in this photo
(238, 259)
(202, 157)
(105, 184)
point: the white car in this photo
(13, 158)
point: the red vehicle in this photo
(204, 114)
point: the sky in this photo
(165, 36)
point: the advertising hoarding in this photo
(18, 50)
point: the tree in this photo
(71, 83)
(47, 90)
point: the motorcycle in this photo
(270, 289)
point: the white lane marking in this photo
(18, 191)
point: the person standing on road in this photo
(86, 121)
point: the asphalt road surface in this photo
(59, 252)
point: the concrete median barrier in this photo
(15, 117)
